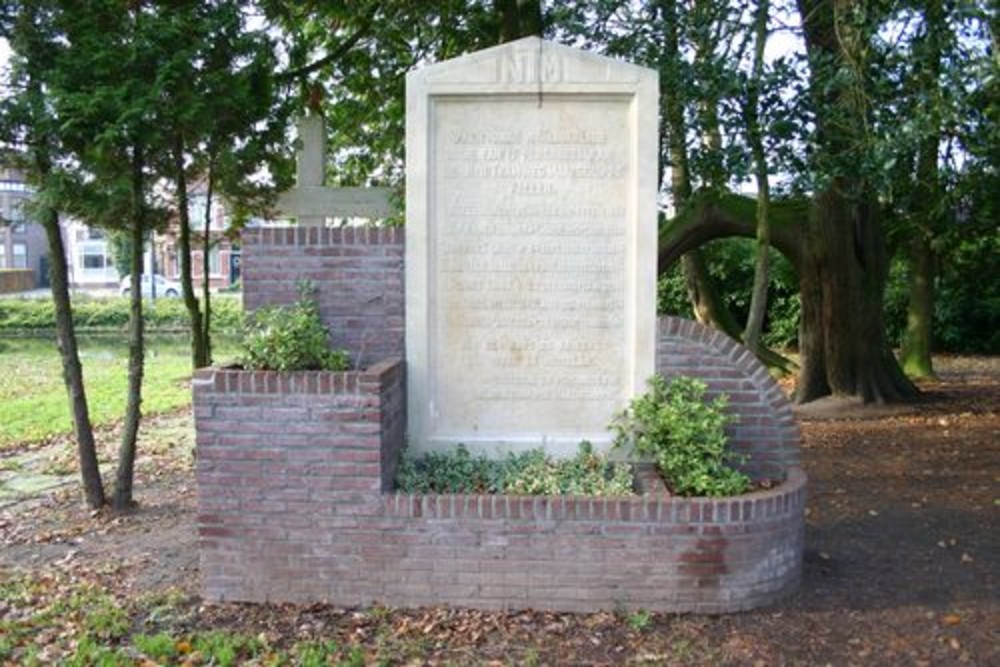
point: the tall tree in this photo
(845, 266)
(106, 92)
(758, 299)
(222, 126)
(28, 121)
(916, 351)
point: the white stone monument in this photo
(531, 181)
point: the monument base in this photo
(296, 504)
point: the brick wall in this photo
(289, 465)
(294, 474)
(765, 428)
(358, 274)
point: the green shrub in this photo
(527, 473)
(287, 338)
(684, 435)
(112, 313)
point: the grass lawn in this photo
(33, 401)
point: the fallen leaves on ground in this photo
(900, 568)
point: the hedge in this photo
(90, 314)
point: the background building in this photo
(223, 255)
(23, 244)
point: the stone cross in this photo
(310, 202)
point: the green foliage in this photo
(159, 647)
(90, 653)
(119, 245)
(639, 620)
(731, 265)
(287, 338)
(314, 654)
(112, 314)
(527, 473)
(684, 435)
(223, 649)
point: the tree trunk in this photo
(707, 303)
(41, 157)
(917, 340)
(130, 430)
(518, 18)
(199, 350)
(90, 472)
(758, 297)
(916, 352)
(206, 296)
(842, 333)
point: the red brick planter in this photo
(295, 504)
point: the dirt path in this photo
(901, 564)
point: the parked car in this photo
(164, 287)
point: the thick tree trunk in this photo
(842, 333)
(133, 410)
(90, 473)
(199, 349)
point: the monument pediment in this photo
(528, 62)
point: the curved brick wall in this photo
(294, 472)
(765, 428)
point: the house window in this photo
(93, 256)
(20, 256)
(3, 255)
(214, 263)
(196, 212)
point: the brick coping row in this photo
(232, 379)
(313, 236)
(785, 499)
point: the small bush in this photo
(527, 473)
(287, 338)
(684, 435)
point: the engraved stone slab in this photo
(531, 246)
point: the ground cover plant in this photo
(526, 473)
(111, 314)
(290, 338)
(684, 435)
(33, 404)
